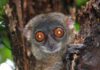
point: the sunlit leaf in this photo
(5, 51)
(77, 26)
(79, 3)
(4, 54)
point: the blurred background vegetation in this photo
(5, 47)
(5, 52)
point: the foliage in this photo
(5, 52)
(2, 3)
(79, 3)
(77, 26)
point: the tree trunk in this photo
(89, 19)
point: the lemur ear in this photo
(70, 22)
(27, 32)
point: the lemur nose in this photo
(52, 47)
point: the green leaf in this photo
(77, 26)
(3, 2)
(5, 53)
(79, 3)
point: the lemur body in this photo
(48, 35)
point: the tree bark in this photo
(89, 19)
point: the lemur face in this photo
(49, 35)
(48, 32)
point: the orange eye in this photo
(39, 36)
(58, 32)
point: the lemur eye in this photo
(58, 32)
(40, 36)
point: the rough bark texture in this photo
(89, 19)
(19, 12)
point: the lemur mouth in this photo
(52, 48)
